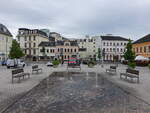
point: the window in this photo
(25, 51)
(137, 50)
(34, 44)
(34, 51)
(29, 51)
(103, 49)
(114, 44)
(74, 50)
(114, 49)
(125, 44)
(47, 50)
(121, 50)
(25, 38)
(29, 38)
(117, 44)
(121, 43)
(58, 49)
(67, 44)
(141, 49)
(107, 49)
(144, 49)
(110, 49)
(29, 45)
(68, 50)
(148, 48)
(65, 50)
(25, 45)
(110, 44)
(71, 50)
(51, 50)
(117, 49)
(107, 44)
(104, 43)
(34, 38)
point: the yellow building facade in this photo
(142, 46)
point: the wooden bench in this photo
(36, 69)
(112, 69)
(19, 73)
(130, 73)
(74, 65)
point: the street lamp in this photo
(61, 54)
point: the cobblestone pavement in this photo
(64, 92)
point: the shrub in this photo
(55, 62)
(91, 63)
(149, 66)
(132, 65)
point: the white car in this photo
(49, 64)
(15, 63)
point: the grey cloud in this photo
(129, 18)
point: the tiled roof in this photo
(47, 44)
(30, 31)
(114, 38)
(143, 39)
(73, 43)
(4, 30)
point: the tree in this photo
(15, 50)
(129, 54)
(99, 54)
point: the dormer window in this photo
(67, 44)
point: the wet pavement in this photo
(75, 92)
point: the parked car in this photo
(3, 63)
(49, 63)
(13, 63)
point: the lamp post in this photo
(6, 47)
(61, 54)
(116, 56)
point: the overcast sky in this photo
(76, 18)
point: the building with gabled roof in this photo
(142, 46)
(5, 42)
(29, 39)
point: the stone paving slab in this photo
(64, 92)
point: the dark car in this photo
(3, 63)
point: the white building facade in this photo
(113, 47)
(5, 42)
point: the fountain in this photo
(96, 77)
(87, 76)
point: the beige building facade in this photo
(62, 50)
(29, 40)
(5, 42)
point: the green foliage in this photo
(132, 65)
(15, 50)
(149, 66)
(56, 62)
(91, 62)
(129, 54)
(99, 53)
